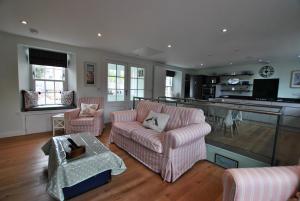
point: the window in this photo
(115, 82)
(49, 82)
(169, 86)
(137, 81)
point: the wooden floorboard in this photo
(23, 176)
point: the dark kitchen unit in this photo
(201, 86)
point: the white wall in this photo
(12, 120)
(283, 71)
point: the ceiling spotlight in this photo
(230, 63)
(169, 46)
(201, 64)
(99, 35)
(224, 30)
(298, 56)
(260, 60)
(24, 22)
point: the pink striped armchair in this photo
(261, 184)
(170, 153)
(94, 125)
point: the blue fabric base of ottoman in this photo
(88, 184)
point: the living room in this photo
(226, 87)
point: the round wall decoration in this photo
(266, 71)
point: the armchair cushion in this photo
(148, 138)
(123, 116)
(83, 121)
(88, 110)
(181, 136)
(125, 128)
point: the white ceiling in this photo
(266, 29)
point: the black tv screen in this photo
(265, 89)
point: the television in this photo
(265, 89)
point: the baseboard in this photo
(11, 134)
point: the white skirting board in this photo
(11, 134)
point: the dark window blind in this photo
(170, 73)
(47, 58)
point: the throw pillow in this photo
(67, 98)
(156, 121)
(88, 110)
(30, 99)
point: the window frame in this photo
(169, 86)
(116, 77)
(33, 84)
(137, 81)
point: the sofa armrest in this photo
(99, 113)
(127, 115)
(181, 136)
(260, 184)
(71, 114)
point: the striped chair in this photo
(94, 125)
(261, 184)
(170, 153)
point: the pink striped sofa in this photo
(94, 125)
(261, 184)
(170, 153)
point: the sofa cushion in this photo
(125, 128)
(83, 121)
(182, 116)
(67, 98)
(30, 99)
(148, 138)
(156, 121)
(144, 107)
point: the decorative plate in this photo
(266, 71)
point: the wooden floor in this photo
(23, 176)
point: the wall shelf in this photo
(237, 74)
(239, 84)
(237, 90)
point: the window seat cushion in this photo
(49, 107)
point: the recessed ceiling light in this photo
(169, 46)
(298, 56)
(201, 64)
(230, 63)
(24, 22)
(224, 30)
(99, 35)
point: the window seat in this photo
(49, 107)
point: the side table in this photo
(58, 122)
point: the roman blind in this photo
(170, 73)
(47, 58)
